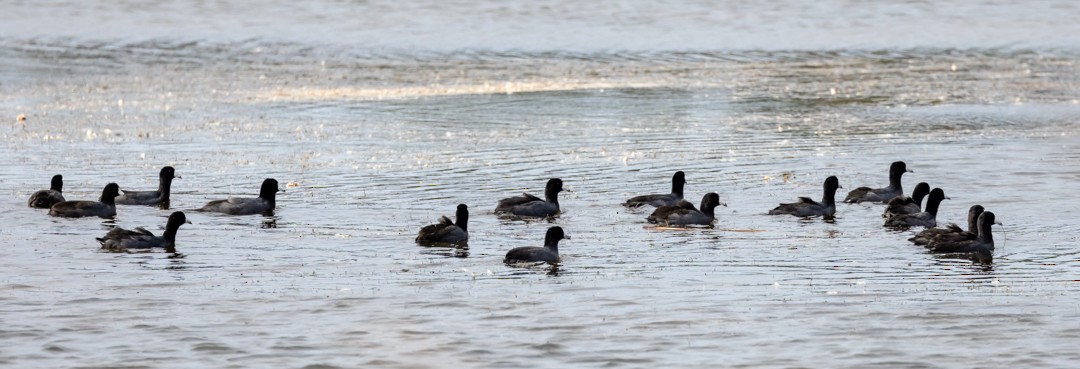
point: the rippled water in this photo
(378, 141)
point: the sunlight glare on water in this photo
(379, 117)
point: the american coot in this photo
(926, 218)
(907, 205)
(45, 199)
(531, 206)
(658, 200)
(446, 231)
(531, 254)
(808, 208)
(896, 170)
(105, 207)
(983, 243)
(161, 196)
(119, 239)
(684, 212)
(952, 232)
(245, 205)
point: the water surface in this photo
(377, 141)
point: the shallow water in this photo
(375, 143)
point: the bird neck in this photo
(708, 208)
(552, 196)
(828, 197)
(170, 233)
(677, 189)
(108, 200)
(894, 185)
(552, 243)
(918, 197)
(462, 221)
(986, 235)
(165, 187)
(269, 194)
(973, 223)
(932, 205)
(894, 181)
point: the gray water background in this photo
(381, 116)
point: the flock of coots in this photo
(119, 239)
(671, 211)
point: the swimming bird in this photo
(119, 239)
(657, 200)
(926, 218)
(809, 208)
(951, 232)
(446, 231)
(684, 213)
(983, 243)
(531, 254)
(246, 205)
(105, 207)
(45, 199)
(907, 205)
(161, 196)
(531, 206)
(896, 170)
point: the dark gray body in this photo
(446, 231)
(265, 203)
(157, 197)
(105, 207)
(45, 199)
(119, 239)
(907, 204)
(528, 205)
(927, 218)
(532, 254)
(807, 207)
(952, 232)
(684, 213)
(863, 194)
(983, 243)
(657, 200)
